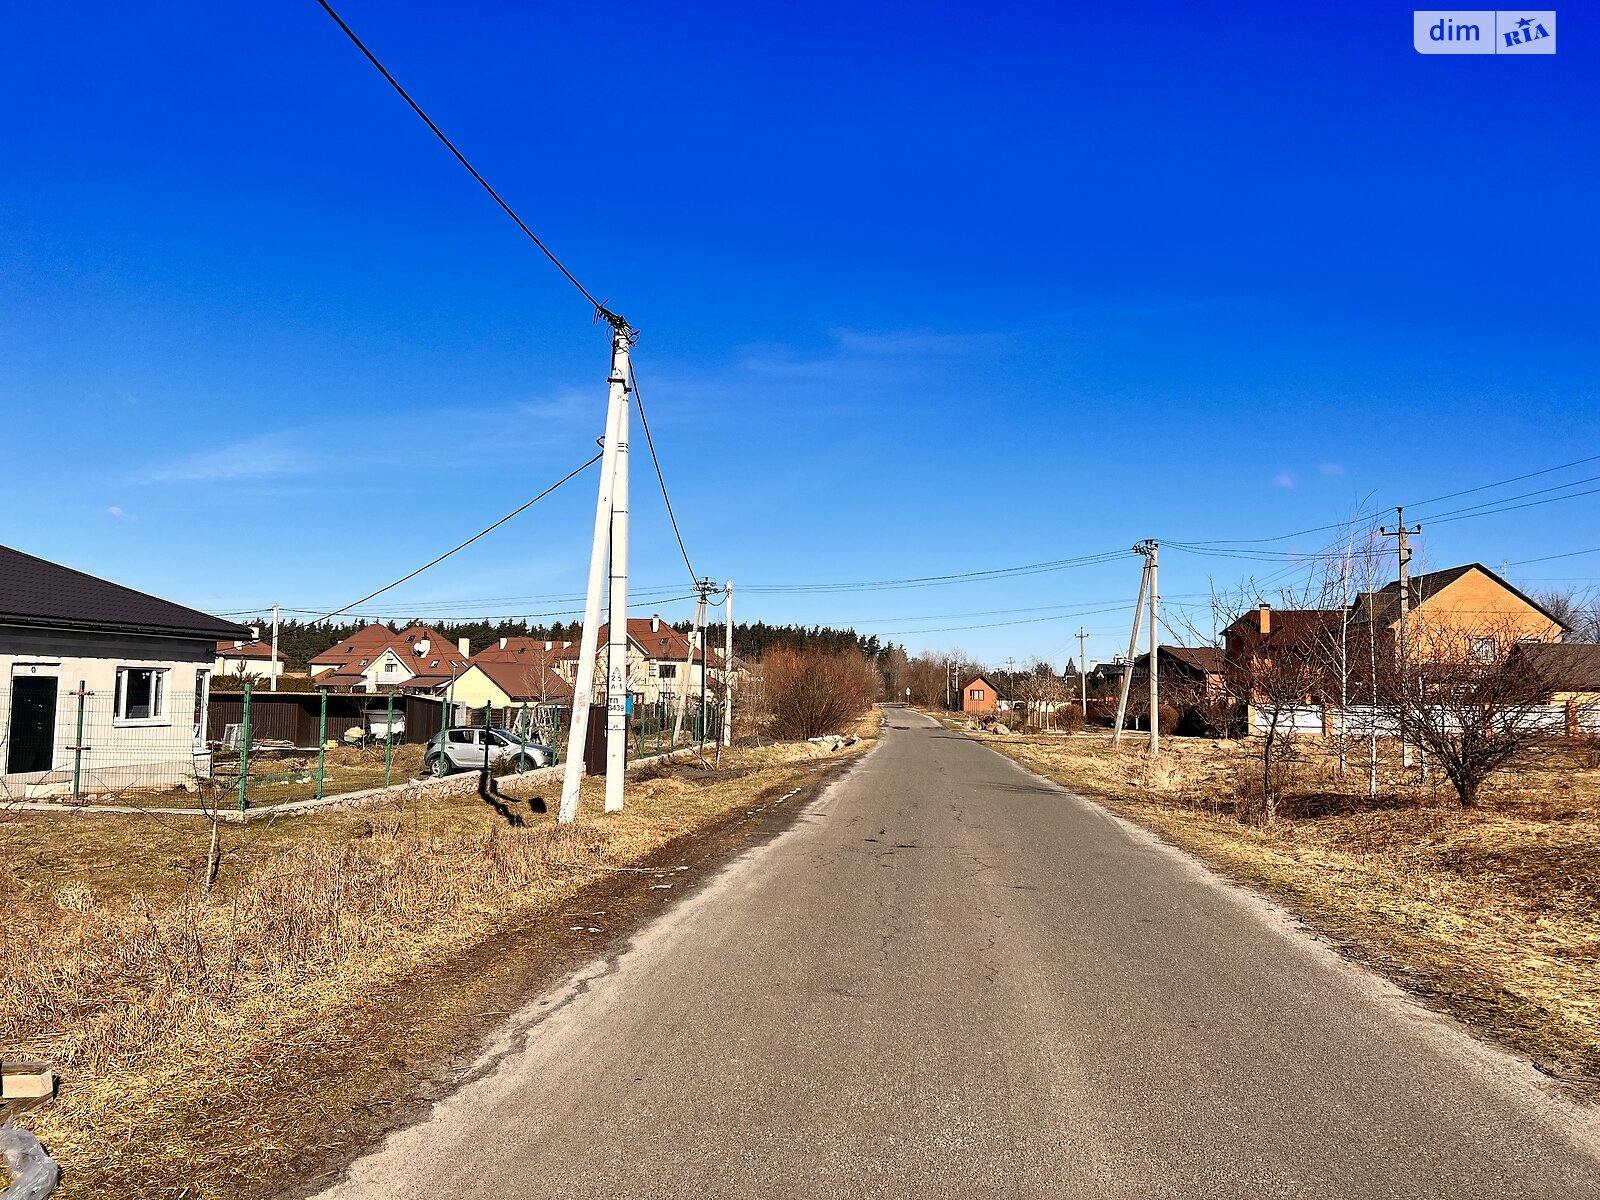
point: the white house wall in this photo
(155, 753)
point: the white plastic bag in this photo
(34, 1174)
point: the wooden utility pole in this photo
(1403, 547)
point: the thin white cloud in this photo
(1331, 470)
(268, 457)
(1283, 479)
(116, 512)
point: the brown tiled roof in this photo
(525, 681)
(43, 594)
(1565, 666)
(1208, 660)
(238, 649)
(1293, 624)
(363, 643)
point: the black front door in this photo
(31, 745)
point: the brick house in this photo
(978, 695)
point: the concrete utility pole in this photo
(1083, 672)
(1403, 547)
(727, 666)
(1133, 644)
(1155, 645)
(704, 588)
(272, 667)
(617, 629)
(583, 684)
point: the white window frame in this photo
(1485, 648)
(160, 696)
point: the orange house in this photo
(1459, 611)
(978, 696)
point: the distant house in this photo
(145, 665)
(518, 670)
(1266, 637)
(662, 661)
(255, 658)
(978, 695)
(1197, 669)
(376, 659)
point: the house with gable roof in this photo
(145, 667)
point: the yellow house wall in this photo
(475, 689)
(1476, 606)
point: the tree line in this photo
(301, 641)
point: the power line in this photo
(576, 471)
(660, 478)
(1577, 462)
(939, 580)
(600, 309)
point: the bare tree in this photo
(1472, 703)
(812, 692)
(1579, 611)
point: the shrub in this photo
(1068, 718)
(813, 692)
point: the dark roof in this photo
(1565, 666)
(1383, 605)
(1208, 660)
(1291, 624)
(46, 595)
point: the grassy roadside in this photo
(214, 1043)
(1492, 915)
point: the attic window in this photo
(434, 663)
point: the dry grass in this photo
(1493, 913)
(148, 994)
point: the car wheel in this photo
(430, 766)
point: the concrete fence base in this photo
(464, 783)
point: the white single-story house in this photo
(102, 688)
(253, 658)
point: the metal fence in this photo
(238, 750)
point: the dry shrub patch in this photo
(151, 996)
(1493, 912)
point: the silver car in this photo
(464, 750)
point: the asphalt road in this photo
(951, 979)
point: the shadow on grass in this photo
(489, 792)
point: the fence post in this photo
(77, 749)
(488, 710)
(388, 742)
(444, 728)
(322, 741)
(244, 751)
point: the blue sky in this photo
(921, 291)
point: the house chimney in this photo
(655, 623)
(465, 646)
(1266, 619)
(502, 643)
